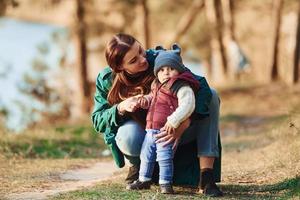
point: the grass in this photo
(287, 189)
(113, 190)
(53, 142)
(261, 150)
(36, 157)
(260, 129)
(21, 175)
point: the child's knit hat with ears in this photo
(170, 58)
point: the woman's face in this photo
(134, 60)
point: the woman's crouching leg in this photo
(208, 130)
(129, 138)
(205, 131)
(208, 148)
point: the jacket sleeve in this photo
(203, 97)
(104, 115)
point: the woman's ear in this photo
(176, 48)
(119, 69)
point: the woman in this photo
(118, 116)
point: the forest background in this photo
(248, 49)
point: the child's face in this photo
(165, 73)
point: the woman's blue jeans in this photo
(130, 135)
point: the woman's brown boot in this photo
(133, 174)
(207, 184)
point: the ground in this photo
(260, 128)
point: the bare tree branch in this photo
(297, 51)
(146, 27)
(187, 20)
(82, 56)
(278, 5)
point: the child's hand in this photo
(163, 136)
(129, 105)
(168, 128)
(143, 103)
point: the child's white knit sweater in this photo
(186, 106)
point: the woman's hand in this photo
(163, 136)
(129, 105)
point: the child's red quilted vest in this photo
(164, 101)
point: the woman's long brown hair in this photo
(125, 85)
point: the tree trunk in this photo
(2, 7)
(80, 35)
(278, 5)
(230, 42)
(187, 20)
(232, 19)
(146, 29)
(297, 51)
(5, 3)
(219, 29)
(229, 15)
(219, 60)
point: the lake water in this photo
(18, 48)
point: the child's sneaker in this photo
(139, 185)
(166, 188)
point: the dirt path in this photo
(72, 180)
(260, 156)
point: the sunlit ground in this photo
(260, 138)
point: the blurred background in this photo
(52, 50)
